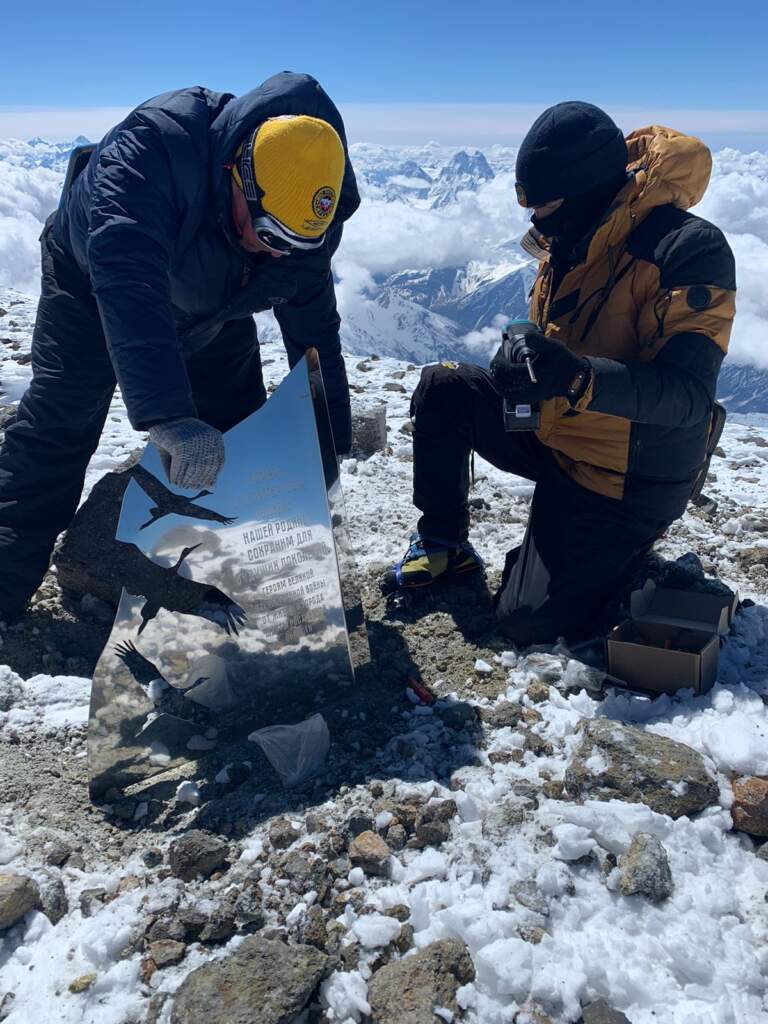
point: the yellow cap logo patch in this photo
(324, 202)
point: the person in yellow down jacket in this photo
(632, 306)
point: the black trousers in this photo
(61, 416)
(589, 544)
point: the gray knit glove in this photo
(192, 452)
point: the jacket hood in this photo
(669, 167)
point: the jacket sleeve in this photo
(684, 329)
(133, 225)
(311, 320)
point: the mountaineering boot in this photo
(428, 559)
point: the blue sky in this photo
(685, 56)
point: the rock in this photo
(6, 1005)
(528, 895)
(457, 716)
(645, 869)
(196, 853)
(83, 560)
(369, 852)
(57, 851)
(397, 837)
(166, 929)
(91, 901)
(506, 757)
(750, 805)
(391, 386)
(83, 983)
(53, 899)
(400, 912)
(193, 922)
(147, 970)
(369, 431)
(313, 930)
(601, 1013)
(531, 933)
(432, 833)
(358, 822)
(18, 895)
(219, 925)
(444, 810)
(155, 1008)
(538, 691)
(282, 833)
(501, 715)
(152, 857)
(95, 608)
(406, 992)
(639, 767)
(262, 982)
(248, 906)
(503, 818)
(167, 952)
(340, 867)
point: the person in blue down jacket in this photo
(196, 211)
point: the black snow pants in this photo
(588, 543)
(61, 416)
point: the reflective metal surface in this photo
(233, 615)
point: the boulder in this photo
(750, 806)
(644, 869)
(369, 852)
(621, 762)
(262, 982)
(83, 561)
(369, 430)
(197, 853)
(18, 895)
(407, 991)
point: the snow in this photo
(44, 703)
(188, 793)
(374, 930)
(344, 996)
(356, 876)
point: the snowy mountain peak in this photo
(464, 172)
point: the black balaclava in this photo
(578, 214)
(573, 151)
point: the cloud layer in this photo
(393, 234)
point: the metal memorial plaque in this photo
(234, 616)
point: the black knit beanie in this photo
(570, 148)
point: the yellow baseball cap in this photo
(291, 168)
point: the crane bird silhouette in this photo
(167, 503)
(163, 587)
(172, 700)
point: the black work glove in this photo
(559, 372)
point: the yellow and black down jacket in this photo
(650, 299)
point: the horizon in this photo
(421, 124)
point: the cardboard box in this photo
(671, 641)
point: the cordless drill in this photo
(519, 414)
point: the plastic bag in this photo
(296, 752)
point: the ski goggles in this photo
(268, 229)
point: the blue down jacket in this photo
(149, 221)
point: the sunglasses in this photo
(275, 236)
